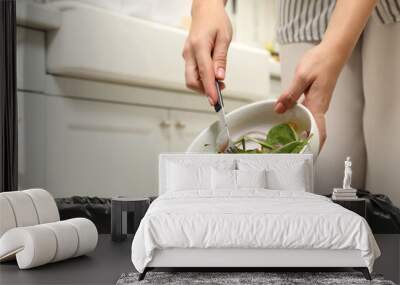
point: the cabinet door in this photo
(96, 148)
(186, 126)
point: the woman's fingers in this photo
(288, 98)
(206, 72)
(199, 74)
(192, 77)
(206, 47)
(220, 54)
(316, 77)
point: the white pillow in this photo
(237, 179)
(291, 179)
(282, 174)
(223, 179)
(251, 178)
(196, 160)
(181, 178)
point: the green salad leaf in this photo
(281, 134)
(282, 138)
(289, 147)
(264, 144)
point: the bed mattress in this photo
(251, 219)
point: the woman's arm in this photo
(206, 47)
(347, 22)
(318, 69)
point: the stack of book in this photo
(344, 194)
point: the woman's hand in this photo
(319, 68)
(206, 48)
(315, 77)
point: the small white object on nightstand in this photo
(347, 192)
(347, 174)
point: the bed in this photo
(246, 211)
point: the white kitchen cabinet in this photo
(185, 126)
(74, 146)
(95, 44)
(99, 139)
(94, 148)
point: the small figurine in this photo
(347, 192)
(347, 174)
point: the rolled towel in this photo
(40, 244)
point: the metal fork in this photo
(224, 141)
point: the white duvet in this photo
(250, 218)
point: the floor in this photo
(111, 259)
(95, 268)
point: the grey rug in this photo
(269, 278)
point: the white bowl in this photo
(258, 116)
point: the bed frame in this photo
(261, 259)
(248, 259)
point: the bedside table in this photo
(126, 214)
(358, 206)
(388, 263)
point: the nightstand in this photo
(388, 263)
(126, 214)
(358, 206)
